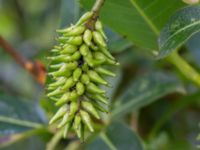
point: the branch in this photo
(36, 68)
(97, 6)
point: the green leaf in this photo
(175, 107)
(18, 115)
(116, 137)
(138, 20)
(146, 90)
(180, 27)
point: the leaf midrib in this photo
(145, 17)
(178, 31)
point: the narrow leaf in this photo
(180, 27)
(116, 137)
(146, 90)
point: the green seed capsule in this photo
(66, 129)
(100, 56)
(85, 67)
(60, 58)
(69, 49)
(60, 72)
(96, 78)
(76, 40)
(73, 108)
(78, 30)
(60, 81)
(92, 88)
(90, 108)
(76, 74)
(84, 18)
(63, 39)
(64, 99)
(55, 50)
(99, 107)
(55, 92)
(93, 62)
(56, 74)
(77, 125)
(99, 98)
(84, 50)
(72, 65)
(58, 114)
(87, 37)
(56, 66)
(86, 119)
(98, 39)
(80, 88)
(99, 28)
(74, 95)
(65, 30)
(66, 119)
(112, 62)
(76, 56)
(107, 53)
(85, 79)
(105, 71)
(94, 47)
(69, 83)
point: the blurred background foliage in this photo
(152, 105)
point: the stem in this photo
(20, 122)
(96, 9)
(51, 145)
(97, 6)
(11, 51)
(107, 141)
(188, 71)
(35, 68)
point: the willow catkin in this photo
(78, 69)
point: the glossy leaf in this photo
(146, 90)
(116, 137)
(179, 28)
(138, 20)
(18, 115)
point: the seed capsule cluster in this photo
(78, 69)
